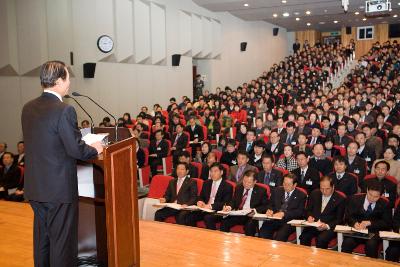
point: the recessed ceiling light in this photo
(296, 13)
(297, 19)
(398, 3)
(335, 21)
(275, 15)
(308, 12)
(325, 10)
(364, 19)
(395, 16)
(283, 1)
(308, 24)
(356, 13)
(362, 7)
(246, 5)
(322, 22)
(286, 14)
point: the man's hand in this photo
(200, 204)
(19, 192)
(162, 200)
(310, 219)
(365, 224)
(98, 146)
(322, 227)
(227, 208)
(279, 214)
(269, 213)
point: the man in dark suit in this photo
(286, 203)
(236, 172)
(301, 126)
(3, 149)
(247, 196)
(326, 206)
(319, 162)
(248, 144)
(296, 46)
(184, 157)
(181, 190)
(196, 135)
(393, 251)
(10, 175)
(308, 178)
(269, 176)
(356, 164)
(158, 149)
(363, 151)
(52, 145)
(180, 141)
(367, 211)
(341, 139)
(215, 194)
(19, 159)
(256, 157)
(389, 187)
(315, 137)
(289, 137)
(274, 146)
(342, 180)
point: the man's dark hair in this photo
(184, 164)
(50, 72)
(383, 162)
(374, 185)
(218, 165)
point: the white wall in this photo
(138, 71)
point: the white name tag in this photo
(272, 184)
(386, 194)
(357, 171)
(234, 162)
(293, 143)
(367, 159)
(158, 148)
(196, 135)
(308, 182)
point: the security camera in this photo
(345, 5)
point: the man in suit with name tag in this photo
(180, 141)
(393, 251)
(215, 194)
(308, 178)
(53, 143)
(236, 172)
(274, 146)
(367, 211)
(343, 181)
(181, 190)
(286, 203)
(196, 135)
(158, 149)
(356, 164)
(247, 196)
(269, 176)
(318, 160)
(326, 206)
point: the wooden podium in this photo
(109, 221)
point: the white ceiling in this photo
(322, 17)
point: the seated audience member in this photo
(140, 156)
(274, 146)
(287, 161)
(3, 149)
(363, 151)
(85, 124)
(10, 175)
(286, 203)
(215, 194)
(330, 150)
(19, 159)
(248, 195)
(367, 211)
(316, 137)
(269, 175)
(388, 156)
(229, 157)
(389, 189)
(325, 206)
(355, 164)
(374, 143)
(248, 143)
(341, 139)
(342, 180)
(301, 126)
(393, 251)
(158, 149)
(184, 157)
(180, 141)
(205, 170)
(307, 177)
(326, 130)
(394, 140)
(256, 156)
(213, 127)
(302, 145)
(201, 156)
(236, 172)
(196, 135)
(289, 137)
(318, 160)
(181, 190)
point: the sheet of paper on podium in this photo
(235, 212)
(263, 216)
(93, 138)
(387, 234)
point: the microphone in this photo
(97, 104)
(84, 110)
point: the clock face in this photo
(105, 43)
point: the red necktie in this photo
(244, 199)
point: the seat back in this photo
(199, 185)
(158, 186)
(266, 187)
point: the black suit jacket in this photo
(181, 143)
(52, 146)
(296, 204)
(275, 178)
(161, 149)
(223, 196)
(369, 155)
(344, 142)
(333, 213)
(396, 219)
(347, 184)
(381, 216)
(196, 133)
(243, 146)
(388, 187)
(324, 166)
(258, 201)
(187, 194)
(358, 167)
(292, 141)
(277, 152)
(310, 181)
(11, 178)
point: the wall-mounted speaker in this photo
(88, 70)
(275, 31)
(176, 59)
(243, 46)
(348, 30)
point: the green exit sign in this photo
(335, 33)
